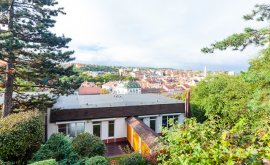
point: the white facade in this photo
(120, 125)
(158, 119)
(127, 88)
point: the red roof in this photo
(88, 88)
(186, 86)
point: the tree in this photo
(236, 130)
(250, 36)
(221, 96)
(31, 51)
(259, 70)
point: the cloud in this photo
(154, 33)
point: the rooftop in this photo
(110, 100)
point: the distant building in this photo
(205, 72)
(95, 73)
(89, 88)
(231, 73)
(128, 87)
(109, 86)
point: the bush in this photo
(87, 145)
(152, 158)
(96, 160)
(58, 147)
(20, 136)
(45, 162)
(134, 159)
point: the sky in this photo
(155, 33)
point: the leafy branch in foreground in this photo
(250, 36)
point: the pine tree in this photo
(32, 53)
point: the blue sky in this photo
(155, 33)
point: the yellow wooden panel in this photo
(129, 133)
(136, 141)
(145, 149)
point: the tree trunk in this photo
(8, 90)
(9, 70)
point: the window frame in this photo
(97, 123)
(173, 116)
(155, 121)
(67, 127)
(113, 123)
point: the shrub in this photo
(57, 147)
(20, 136)
(134, 159)
(45, 162)
(152, 158)
(96, 160)
(87, 145)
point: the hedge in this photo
(45, 162)
(57, 147)
(96, 160)
(135, 158)
(87, 145)
(20, 136)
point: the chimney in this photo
(187, 105)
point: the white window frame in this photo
(109, 129)
(67, 126)
(100, 125)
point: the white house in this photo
(127, 87)
(106, 115)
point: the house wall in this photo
(51, 127)
(146, 120)
(120, 128)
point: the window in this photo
(165, 120)
(71, 129)
(153, 123)
(62, 128)
(97, 128)
(111, 128)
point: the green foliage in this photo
(240, 41)
(39, 102)
(134, 159)
(20, 136)
(100, 68)
(45, 162)
(258, 76)
(58, 147)
(87, 145)
(32, 52)
(221, 96)
(206, 143)
(236, 130)
(96, 160)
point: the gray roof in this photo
(110, 100)
(26, 93)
